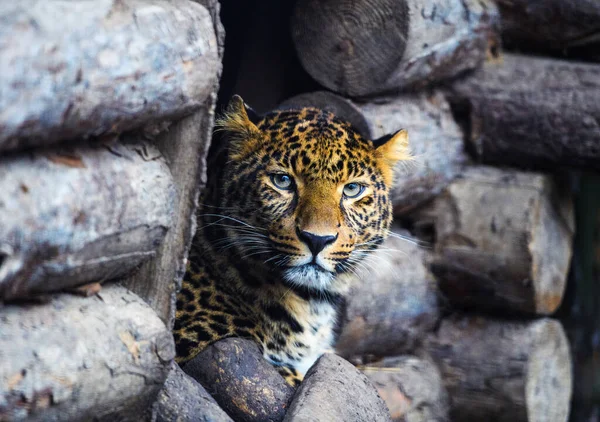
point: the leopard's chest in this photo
(300, 350)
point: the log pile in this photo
(103, 147)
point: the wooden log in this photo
(550, 25)
(504, 241)
(362, 48)
(103, 358)
(411, 387)
(496, 370)
(146, 60)
(390, 308)
(183, 399)
(74, 215)
(436, 141)
(533, 112)
(334, 390)
(244, 384)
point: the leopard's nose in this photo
(316, 243)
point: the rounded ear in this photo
(393, 148)
(239, 121)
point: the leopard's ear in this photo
(393, 148)
(239, 122)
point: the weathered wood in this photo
(436, 141)
(533, 112)
(391, 307)
(497, 370)
(183, 399)
(504, 240)
(334, 390)
(361, 48)
(146, 60)
(102, 358)
(73, 215)
(411, 387)
(244, 384)
(551, 24)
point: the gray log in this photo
(391, 308)
(182, 399)
(551, 24)
(104, 357)
(504, 241)
(436, 141)
(411, 387)
(80, 214)
(79, 68)
(334, 390)
(533, 112)
(362, 48)
(244, 384)
(498, 371)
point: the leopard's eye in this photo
(352, 190)
(282, 181)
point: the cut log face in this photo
(504, 241)
(436, 141)
(504, 371)
(411, 387)
(552, 24)
(104, 358)
(533, 112)
(183, 399)
(363, 48)
(334, 390)
(146, 60)
(391, 306)
(80, 214)
(244, 384)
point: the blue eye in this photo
(352, 190)
(282, 181)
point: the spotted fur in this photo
(272, 263)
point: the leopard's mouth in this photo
(310, 275)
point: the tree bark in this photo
(82, 214)
(146, 60)
(244, 384)
(552, 24)
(504, 371)
(103, 358)
(362, 48)
(504, 241)
(436, 141)
(334, 390)
(183, 399)
(392, 305)
(533, 112)
(411, 387)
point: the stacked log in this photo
(363, 48)
(82, 203)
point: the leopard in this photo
(298, 200)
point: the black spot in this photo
(243, 323)
(278, 313)
(219, 318)
(221, 330)
(201, 333)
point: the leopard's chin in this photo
(309, 275)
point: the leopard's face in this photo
(311, 194)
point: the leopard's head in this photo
(304, 193)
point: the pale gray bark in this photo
(80, 214)
(497, 370)
(504, 240)
(72, 358)
(362, 48)
(76, 68)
